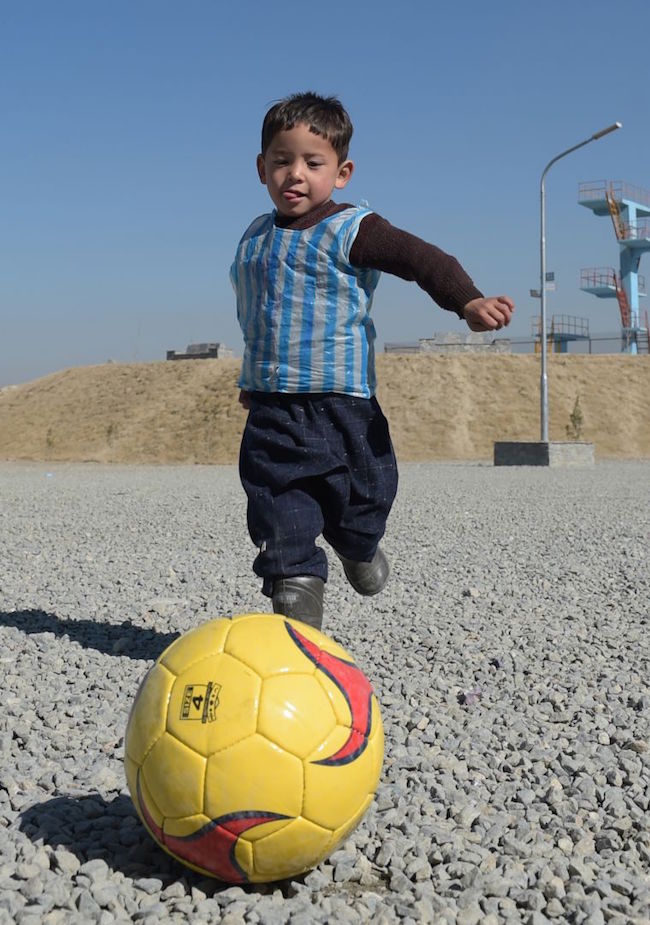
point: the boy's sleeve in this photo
(381, 246)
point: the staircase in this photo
(642, 345)
(615, 212)
(623, 303)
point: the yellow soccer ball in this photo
(253, 748)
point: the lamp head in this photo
(606, 131)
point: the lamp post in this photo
(542, 273)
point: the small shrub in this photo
(576, 421)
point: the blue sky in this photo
(130, 130)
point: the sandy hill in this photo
(439, 407)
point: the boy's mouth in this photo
(292, 195)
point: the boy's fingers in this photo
(502, 310)
(494, 315)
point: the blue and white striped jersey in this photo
(304, 310)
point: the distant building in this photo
(465, 342)
(202, 352)
(453, 342)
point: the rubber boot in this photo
(367, 578)
(300, 598)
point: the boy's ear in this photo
(261, 169)
(346, 169)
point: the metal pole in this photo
(542, 272)
(543, 386)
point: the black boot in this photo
(300, 598)
(367, 578)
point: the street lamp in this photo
(542, 272)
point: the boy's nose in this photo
(295, 171)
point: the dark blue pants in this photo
(312, 465)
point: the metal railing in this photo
(562, 324)
(605, 278)
(595, 190)
(635, 231)
(598, 278)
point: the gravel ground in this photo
(509, 653)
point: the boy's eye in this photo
(314, 164)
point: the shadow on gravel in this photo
(90, 827)
(111, 639)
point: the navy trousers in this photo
(310, 465)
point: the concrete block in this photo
(571, 454)
(560, 455)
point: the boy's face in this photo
(300, 170)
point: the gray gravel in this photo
(509, 653)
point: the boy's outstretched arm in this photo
(381, 246)
(489, 314)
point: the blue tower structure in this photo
(629, 209)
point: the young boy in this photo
(316, 455)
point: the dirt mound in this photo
(439, 407)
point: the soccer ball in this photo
(253, 748)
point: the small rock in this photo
(470, 915)
(554, 888)
(554, 909)
(149, 885)
(638, 745)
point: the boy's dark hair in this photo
(324, 115)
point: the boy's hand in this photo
(490, 314)
(245, 399)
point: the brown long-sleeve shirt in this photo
(380, 246)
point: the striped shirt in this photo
(304, 309)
